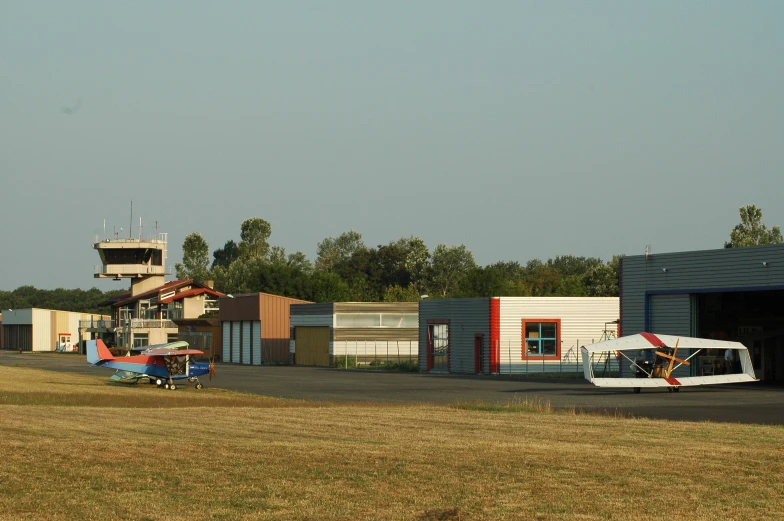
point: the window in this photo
(362, 320)
(140, 340)
(541, 338)
(394, 320)
(357, 320)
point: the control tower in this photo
(143, 260)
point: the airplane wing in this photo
(673, 382)
(164, 351)
(127, 376)
(650, 341)
(180, 344)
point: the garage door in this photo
(672, 315)
(311, 346)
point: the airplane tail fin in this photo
(97, 352)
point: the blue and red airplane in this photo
(162, 363)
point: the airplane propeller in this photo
(212, 368)
(672, 359)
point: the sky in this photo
(522, 129)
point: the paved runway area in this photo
(731, 403)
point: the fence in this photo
(404, 355)
(376, 354)
(569, 363)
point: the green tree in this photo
(254, 235)
(572, 286)
(226, 255)
(195, 258)
(300, 261)
(397, 293)
(751, 231)
(448, 266)
(417, 261)
(602, 280)
(332, 251)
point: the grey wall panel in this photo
(670, 314)
(467, 317)
(324, 308)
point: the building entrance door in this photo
(438, 347)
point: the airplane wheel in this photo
(172, 387)
(199, 386)
(636, 390)
(669, 389)
(676, 389)
(165, 386)
(158, 382)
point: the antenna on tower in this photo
(647, 250)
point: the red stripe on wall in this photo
(653, 339)
(495, 335)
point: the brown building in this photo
(255, 328)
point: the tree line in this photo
(346, 269)
(78, 300)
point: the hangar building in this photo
(255, 328)
(728, 294)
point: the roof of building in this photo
(190, 293)
(173, 285)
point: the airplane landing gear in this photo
(199, 385)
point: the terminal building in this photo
(149, 312)
(727, 294)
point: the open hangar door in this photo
(754, 318)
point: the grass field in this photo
(79, 447)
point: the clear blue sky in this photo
(524, 129)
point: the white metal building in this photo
(506, 335)
(35, 329)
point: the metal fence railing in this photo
(396, 355)
(570, 362)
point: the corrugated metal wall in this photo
(697, 271)
(43, 339)
(467, 317)
(582, 322)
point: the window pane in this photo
(357, 320)
(548, 347)
(533, 347)
(532, 330)
(548, 330)
(398, 320)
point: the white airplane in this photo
(659, 359)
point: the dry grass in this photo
(75, 447)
